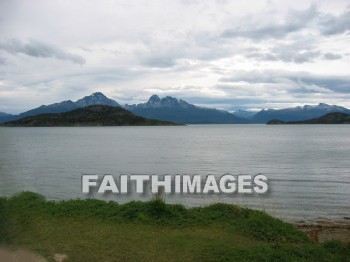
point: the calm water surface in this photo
(308, 166)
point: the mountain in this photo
(330, 118)
(179, 111)
(65, 106)
(5, 117)
(96, 99)
(245, 113)
(95, 115)
(2, 114)
(298, 113)
(53, 108)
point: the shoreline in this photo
(320, 229)
(82, 230)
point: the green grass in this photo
(93, 230)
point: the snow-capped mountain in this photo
(298, 113)
(245, 113)
(179, 111)
(65, 106)
(155, 102)
(96, 99)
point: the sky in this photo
(215, 53)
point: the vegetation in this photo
(94, 230)
(330, 118)
(96, 115)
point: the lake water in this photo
(308, 166)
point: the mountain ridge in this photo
(177, 110)
(4, 114)
(96, 98)
(330, 118)
(180, 111)
(298, 113)
(5, 117)
(93, 115)
(156, 102)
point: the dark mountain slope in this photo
(179, 111)
(5, 117)
(96, 115)
(65, 106)
(330, 118)
(298, 113)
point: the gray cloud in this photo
(298, 52)
(299, 81)
(331, 56)
(294, 21)
(38, 49)
(206, 45)
(179, 48)
(226, 100)
(340, 84)
(159, 61)
(298, 57)
(2, 61)
(325, 24)
(331, 25)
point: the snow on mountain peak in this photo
(154, 99)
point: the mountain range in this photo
(179, 111)
(165, 109)
(330, 118)
(92, 115)
(5, 117)
(65, 106)
(298, 113)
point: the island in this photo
(95, 115)
(330, 118)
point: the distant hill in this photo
(95, 115)
(330, 118)
(5, 117)
(179, 111)
(65, 106)
(297, 113)
(245, 113)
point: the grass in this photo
(94, 230)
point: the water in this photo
(308, 166)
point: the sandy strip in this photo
(21, 255)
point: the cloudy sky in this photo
(215, 53)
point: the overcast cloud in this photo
(38, 49)
(225, 54)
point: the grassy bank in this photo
(93, 230)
